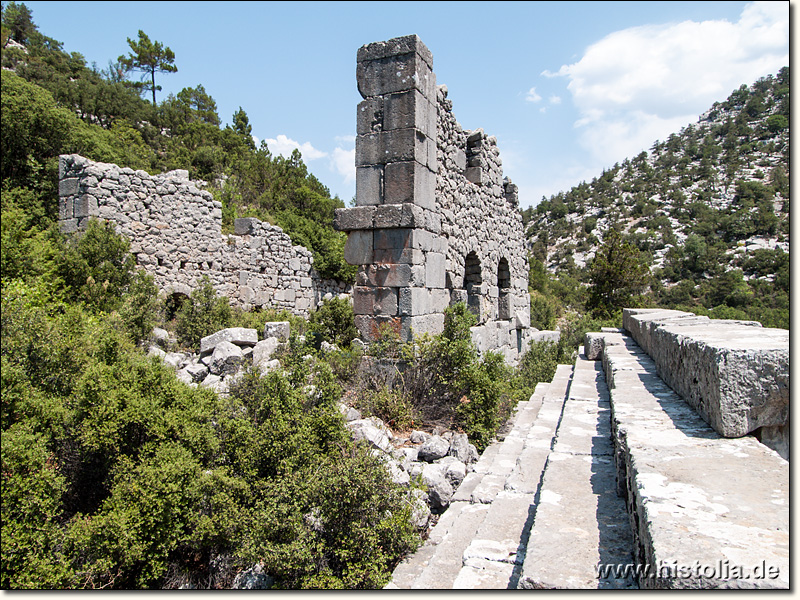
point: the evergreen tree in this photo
(150, 58)
(616, 276)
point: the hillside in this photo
(708, 210)
(54, 103)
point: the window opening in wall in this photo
(472, 283)
(504, 285)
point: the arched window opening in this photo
(504, 284)
(472, 283)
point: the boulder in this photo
(240, 336)
(364, 429)
(226, 358)
(462, 449)
(252, 579)
(264, 350)
(197, 371)
(440, 491)
(349, 413)
(420, 511)
(277, 329)
(160, 337)
(156, 351)
(434, 448)
(419, 437)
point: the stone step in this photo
(706, 511)
(526, 475)
(439, 563)
(578, 507)
(493, 558)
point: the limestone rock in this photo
(240, 336)
(226, 358)
(434, 448)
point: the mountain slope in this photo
(710, 202)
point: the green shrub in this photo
(202, 314)
(334, 321)
(389, 405)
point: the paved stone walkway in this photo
(547, 505)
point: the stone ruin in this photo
(435, 222)
(175, 230)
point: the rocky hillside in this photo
(699, 203)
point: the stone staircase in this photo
(591, 476)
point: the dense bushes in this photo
(117, 475)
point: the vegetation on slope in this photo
(707, 210)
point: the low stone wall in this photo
(734, 373)
(175, 230)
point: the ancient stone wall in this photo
(175, 230)
(435, 222)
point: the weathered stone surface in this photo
(240, 336)
(698, 498)
(366, 430)
(264, 350)
(175, 229)
(226, 358)
(735, 375)
(440, 491)
(462, 449)
(434, 448)
(277, 329)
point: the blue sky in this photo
(568, 88)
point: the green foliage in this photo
(150, 58)
(334, 321)
(391, 406)
(449, 384)
(202, 314)
(544, 311)
(96, 267)
(616, 275)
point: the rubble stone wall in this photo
(435, 222)
(175, 230)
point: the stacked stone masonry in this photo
(435, 222)
(175, 230)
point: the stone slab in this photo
(703, 503)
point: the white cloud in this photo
(284, 146)
(641, 84)
(555, 99)
(344, 162)
(532, 96)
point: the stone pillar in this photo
(394, 231)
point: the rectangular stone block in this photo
(411, 182)
(369, 185)
(393, 239)
(368, 150)
(399, 215)
(432, 324)
(370, 326)
(409, 110)
(458, 297)
(358, 249)
(474, 174)
(68, 187)
(395, 74)
(369, 116)
(375, 301)
(435, 270)
(388, 275)
(245, 226)
(407, 256)
(396, 46)
(350, 219)
(439, 300)
(85, 206)
(65, 208)
(404, 145)
(414, 301)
